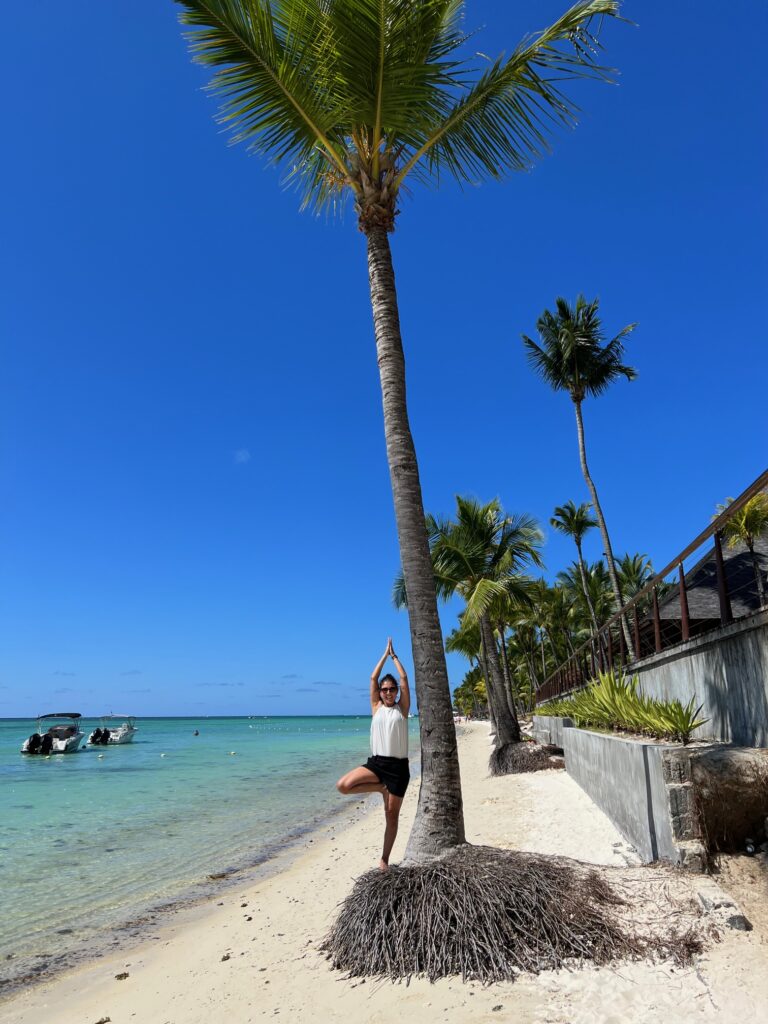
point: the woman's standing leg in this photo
(392, 805)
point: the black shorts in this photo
(392, 771)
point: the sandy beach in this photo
(253, 951)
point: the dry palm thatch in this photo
(514, 758)
(483, 914)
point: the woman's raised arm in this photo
(375, 698)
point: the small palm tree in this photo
(572, 356)
(465, 640)
(576, 521)
(744, 527)
(598, 585)
(361, 99)
(634, 572)
(480, 556)
(470, 696)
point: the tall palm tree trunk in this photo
(585, 588)
(486, 677)
(603, 529)
(439, 822)
(507, 725)
(509, 689)
(531, 659)
(758, 574)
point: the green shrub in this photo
(614, 701)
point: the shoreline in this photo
(123, 937)
(253, 952)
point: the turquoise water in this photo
(88, 844)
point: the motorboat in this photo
(109, 732)
(56, 734)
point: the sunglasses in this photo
(388, 689)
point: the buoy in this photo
(232, 752)
(162, 755)
(100, 756)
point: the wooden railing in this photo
(650, 633)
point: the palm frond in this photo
(480, 600)
(274, 74)
(399, 593)
(572, 355)
(503, 122)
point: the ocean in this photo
(90, 845)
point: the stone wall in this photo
(644, 787)
(726, 671)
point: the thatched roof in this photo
(701, 584)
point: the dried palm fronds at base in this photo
(487, 915)
(514, 758)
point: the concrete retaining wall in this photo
(643, 787)
(549, 730)
(727, 672)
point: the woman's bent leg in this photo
(360, 780)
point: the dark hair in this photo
(389, 677)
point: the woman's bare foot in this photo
(383, 865)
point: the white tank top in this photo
(389, 733)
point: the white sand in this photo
(272, 968)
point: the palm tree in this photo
(471, 696)
(576, 521)
(480, 556)
(598, 588)
(634, 572)
(744, 527)
(361, 98)
(465, 640)
(572, 357)
(521, 651)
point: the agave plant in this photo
(615, 701)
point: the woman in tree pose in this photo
(386, 770)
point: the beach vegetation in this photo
(615, 701)
(357, 101)
(480, 556)
(744, 527)
(576, 521)
(471, 697)
(572, 355)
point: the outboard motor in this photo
(104, 738)
(46, 744)
(33, 743)
(95, 736)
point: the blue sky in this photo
(196, 515)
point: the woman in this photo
(386, 770)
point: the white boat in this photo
(109, 732)
(56, 734)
